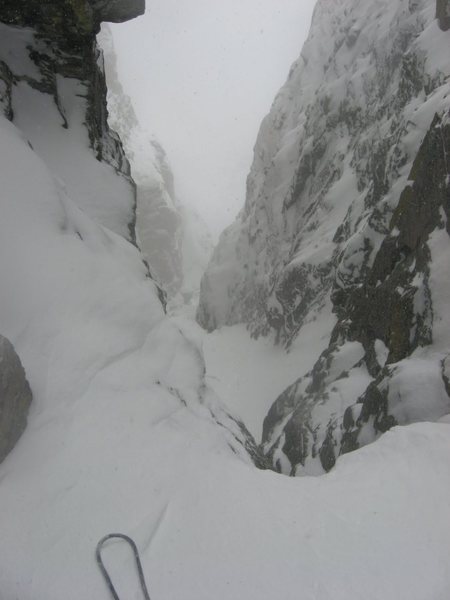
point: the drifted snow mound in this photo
(110, 373)
(348, 201)
(173, 238)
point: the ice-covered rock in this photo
(443, 14)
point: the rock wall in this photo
(49, 48)
(346, 195)
(15, 398)
(383, 352)
(329, 159)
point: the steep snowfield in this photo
(248, 374)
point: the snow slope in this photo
(249, 373)
(109, 373)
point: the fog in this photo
(202, 74)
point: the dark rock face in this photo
(6, 83)
(443, 14)
(69, 19)
(118, 11)
(392, 308)
(15, 398)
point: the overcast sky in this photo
(202, 75)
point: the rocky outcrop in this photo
(50, 48)
(383, 340)
(69, 20)
(443, 14)
(346, 198)
(15, 398)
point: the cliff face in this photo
(53, 87)
(346, 198)
(387, 362)
(172, 237)
(119, 390)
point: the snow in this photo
(118, 441)
(105, 196)
(439, 245)
(205, 102)
(318, 151)
(173, 238)
(126, 433)
(417, 392)
(382, 352)
(107, 371)
(250, 374)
